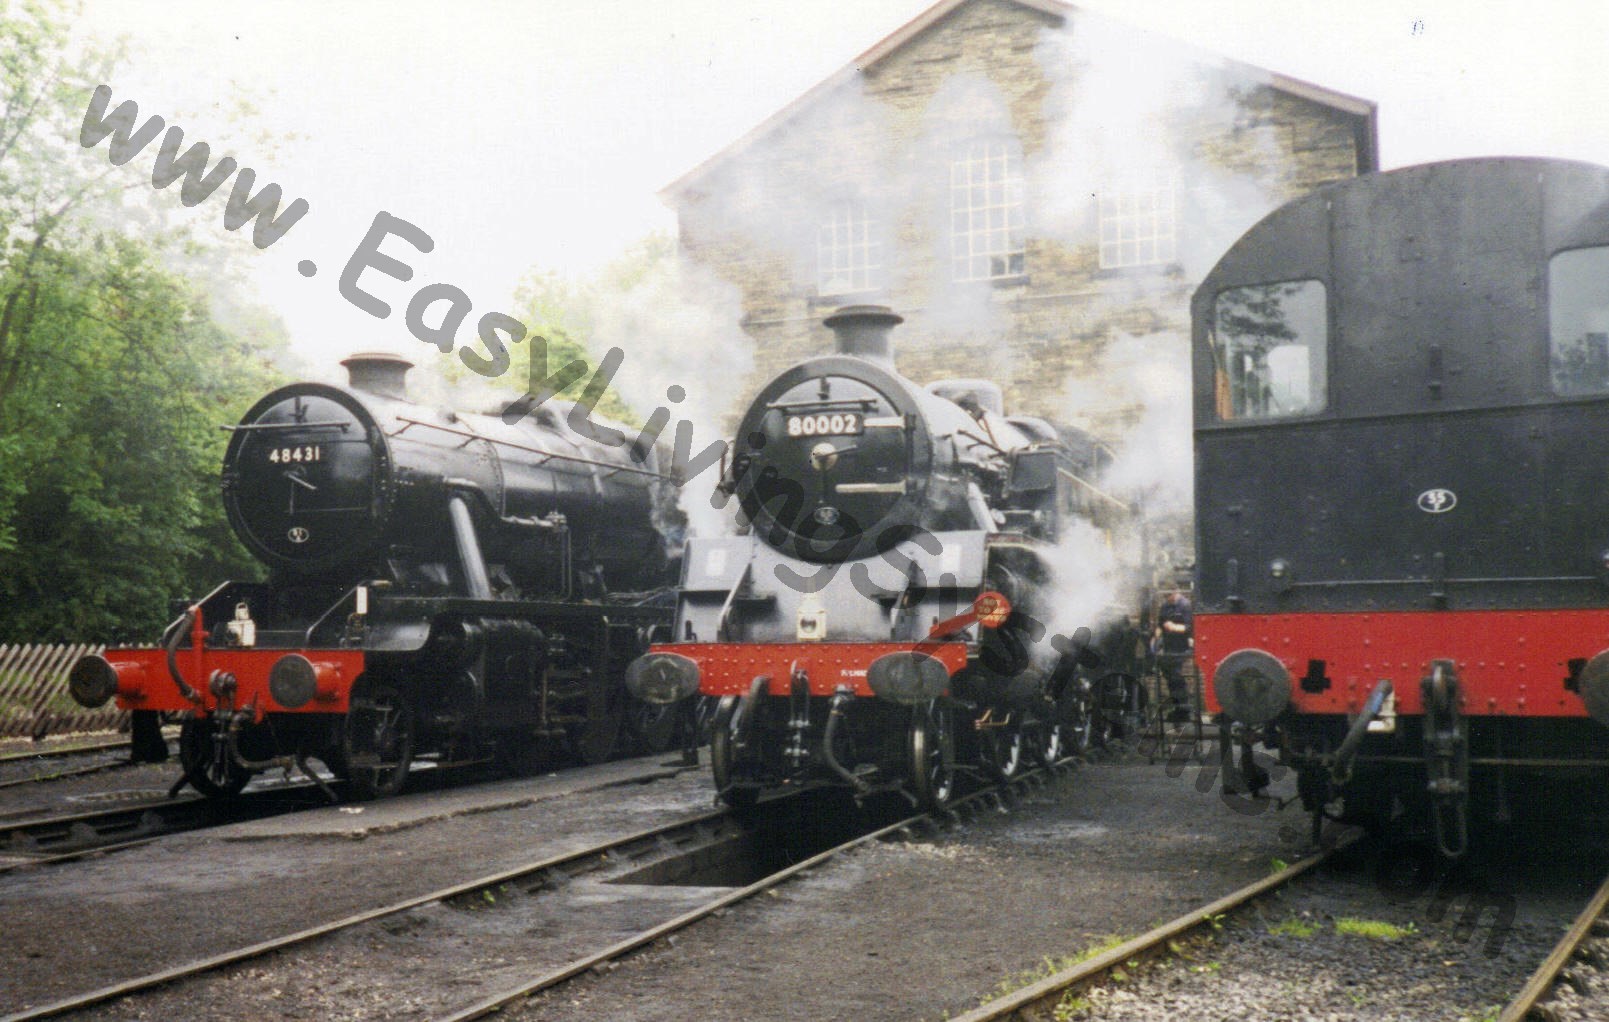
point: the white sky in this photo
(534, 135)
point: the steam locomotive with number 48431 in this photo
(460, 585)
(1401, 427)
(873, 624)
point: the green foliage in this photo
(1374, 929)
(114, 374)
(566, 314)
(1294, 927)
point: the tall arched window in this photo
(986, 211)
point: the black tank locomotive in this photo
(1401, 416)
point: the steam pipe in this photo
(980, 509)
(475, 579)
(1341, 769)
(835, 713)
(180, 626)
(746, 707)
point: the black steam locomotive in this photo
(874, 624)
(440, 582)
(1402, 410)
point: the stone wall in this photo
(1241, 148)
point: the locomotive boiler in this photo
(439, 582)
(1401, 421)
(872, 624)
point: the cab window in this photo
(1578, 321)
(1269, 344)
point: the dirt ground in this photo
(81, 925)
(920, 930)
(903, 930)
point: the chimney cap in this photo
(880, 315)
(378, 372)
(376, 358)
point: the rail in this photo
(1041, 998)
(1541, 982)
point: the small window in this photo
(1268, 349)
(849, 250)
(1138, 224)
(986, 211)
(1578, 321)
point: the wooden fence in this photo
(34, 701)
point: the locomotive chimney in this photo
(378, 372)
(862, 330)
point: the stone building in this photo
(1034, 187)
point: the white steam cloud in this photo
(1144, 381)
(1136, 114)
(679, 328)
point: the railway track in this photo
(62, 751)
(44, 765)
(678, 852)
(34, 842)
(1532, 1002)
(1040, 1000)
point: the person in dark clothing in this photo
(1174, 625)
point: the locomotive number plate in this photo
(292, 455)
(826, 424)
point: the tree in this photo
(564, 315)
(114, 373)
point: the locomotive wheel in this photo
(378, 742)
(652, 726)
(1002, 751)
(206, 761)
(721, 758)
(596, 740)
(1047, 746)
(704, 710)
(932, 755)
(1075, 723)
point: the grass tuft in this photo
(1374, 929)
(1294, 927)
(1050, 966)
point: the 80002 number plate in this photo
(826, 424)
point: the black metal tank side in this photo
(325, 481)
(1441, 471)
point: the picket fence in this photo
(34, 701)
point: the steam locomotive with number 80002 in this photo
(441, 583)
(872, 626)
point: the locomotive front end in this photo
(887, 571)
(305, 477)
